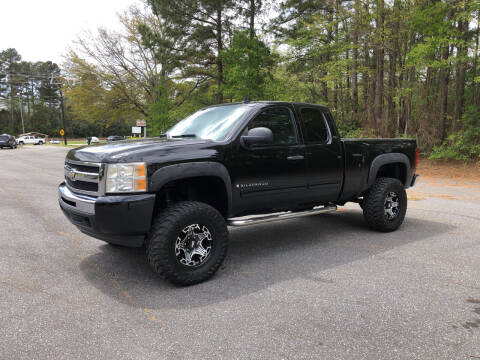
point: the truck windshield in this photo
(212, 123)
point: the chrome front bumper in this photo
(76, 202)
(119, 219)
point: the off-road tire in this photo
(166, 227)
(374, 204)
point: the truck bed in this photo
(358, 157)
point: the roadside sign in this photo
(136, 130)
(62, 132)
(142, 123)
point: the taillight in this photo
(416, 157)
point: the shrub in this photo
(464, 145)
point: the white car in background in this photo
(94, 140)
(54, 141)
(30, 140)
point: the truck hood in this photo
(148, 150)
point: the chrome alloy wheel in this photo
(391, 205)
(193, 245)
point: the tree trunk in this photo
(476, 95)
(368, 88)
(219, 59)
(443, 84)
(391, 90)
(252, 19)
(379, 62)
(354, 60)
(460, 73)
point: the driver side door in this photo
(274, 176)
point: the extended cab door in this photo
(323, 150)
(270, 176)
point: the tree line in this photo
(385, 68)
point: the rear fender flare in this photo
(386, 159)
(187, 170)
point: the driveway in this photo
(319, 287)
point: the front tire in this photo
(187, 243)
(385, 205)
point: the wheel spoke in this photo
(188, 257)
(199, 250)
(202, 236)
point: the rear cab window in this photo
(314, 125)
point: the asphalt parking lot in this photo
(320, 287)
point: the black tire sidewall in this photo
(167, 227)
(374, 203)
(195, 217)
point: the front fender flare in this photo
(186, 170)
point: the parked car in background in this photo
(30, 140)
(92, 140)
(7, 141)
(54, 141)
(115, 138)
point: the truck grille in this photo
(84, 177)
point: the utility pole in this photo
(21, 114)
(11, 100)
(62, 112)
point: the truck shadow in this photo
(259, 256)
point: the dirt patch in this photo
(415, 195)
(456, 171)
(415, 198)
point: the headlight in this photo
(126, 178)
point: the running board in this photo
(258, 219)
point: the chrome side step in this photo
(258, 219)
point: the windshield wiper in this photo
(184, 136)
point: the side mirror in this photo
(257, 136)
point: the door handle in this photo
(295, 157)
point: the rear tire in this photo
(385, 205)
(187, 243)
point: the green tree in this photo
(248, 62)
(200, 29)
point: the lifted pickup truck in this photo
(230, 165)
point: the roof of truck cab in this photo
(272, 103)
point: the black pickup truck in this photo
(230, 165)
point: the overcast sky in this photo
(43, 30)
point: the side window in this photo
(314, 126)
(280, 120)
